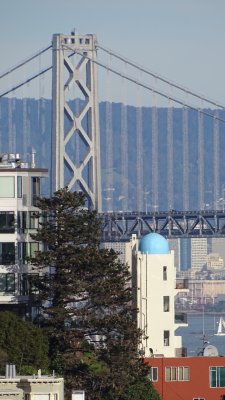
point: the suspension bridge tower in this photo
(75, 125)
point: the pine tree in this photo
(87, 304)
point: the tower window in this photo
(166, 303)
(166, 338)
(165, 273)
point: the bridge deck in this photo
(119, 226)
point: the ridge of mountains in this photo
(127, 178)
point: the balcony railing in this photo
(181, 352)
(181, 284)
(181, 318)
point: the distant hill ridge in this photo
(26, 124)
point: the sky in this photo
(182, 40)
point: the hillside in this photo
(26, 124)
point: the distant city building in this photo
(204, 290)
(175, 245)
(217, 245)
(198, 253)
(19, 189)
(215, 262)
(118, 247)
(185, 254)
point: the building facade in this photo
(19, 189)
(154, 283)
(189, 378)
(40, 387)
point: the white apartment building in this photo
(19, 188)
(154, 279)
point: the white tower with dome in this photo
(154, 277)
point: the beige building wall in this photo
(154, 280)
(32, 388)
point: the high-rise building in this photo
(185, 254)
(175, 245)
(218, 246)
(198, 253)
(19, 189)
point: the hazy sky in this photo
(182, 40)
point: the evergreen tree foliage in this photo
(23, 344)
(87, 304)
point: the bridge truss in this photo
(172, 224)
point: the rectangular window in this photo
(177, 374)
(19, 187)
(41, 396)
(217, 376)
(27, 220)
(183, 373)
(153, 376)
(7, 253)
(166, 338)
(166, 303)
(28, 284)
(165, 273)
(7, 186)
(27, 249)
(35, 190)
(7, 283)
(7, 222)
(198, 398)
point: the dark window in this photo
(7, 253)
(35, 190)
(27, 249)
(153, 376)
(7, 283)
(28, 284)
(27, 220)
(7, 222)
(166, 338)
(165, 273)
(217, 376)
(166, 303)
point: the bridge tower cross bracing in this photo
(74, 80)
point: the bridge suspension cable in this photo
(153, 89)
(22, 63)
(131, 79)
(162, 79)
(26, 81)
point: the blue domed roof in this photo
(153, 243)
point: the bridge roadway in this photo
(119, 226)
